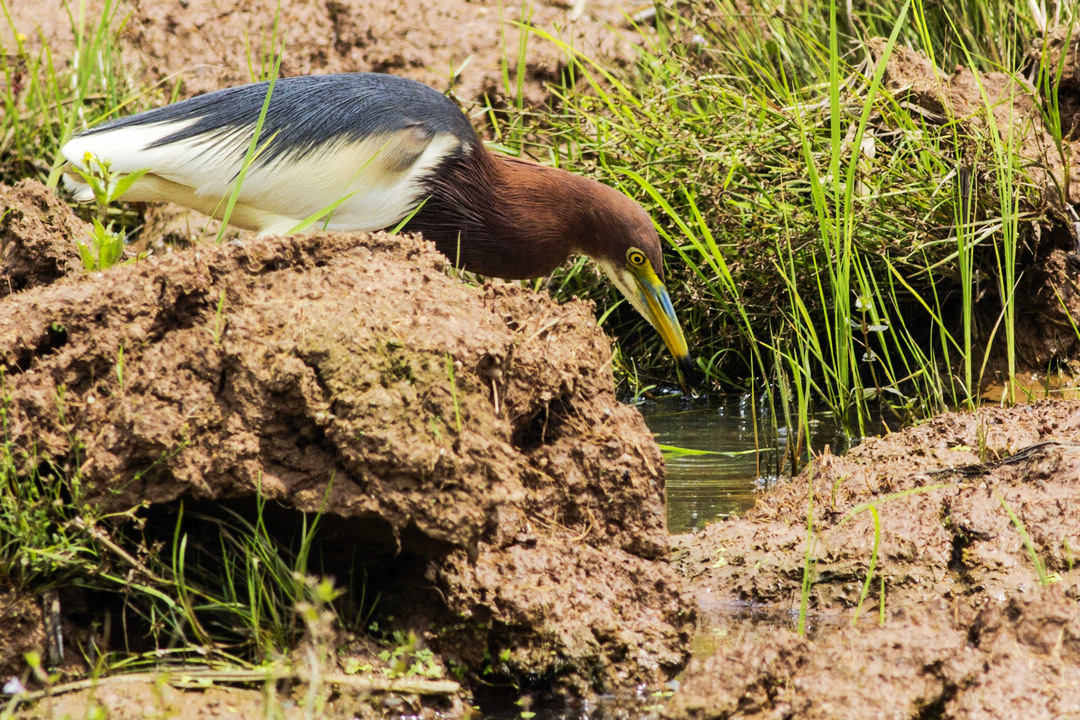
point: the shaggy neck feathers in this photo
(511, 218)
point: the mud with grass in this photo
(324, 475)
(468, 455)
(474, 427)
(943, 579)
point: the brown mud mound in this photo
(940, 491)
(211, 44)
(472, 430)
(1015, 660)
(967, 629)
(38, 237)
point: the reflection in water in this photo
(702, 488)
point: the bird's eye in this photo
(635, 257)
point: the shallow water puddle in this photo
(1030, 387)
(703, 488)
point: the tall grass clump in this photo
(824, 230)
(46, 98)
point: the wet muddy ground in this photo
(515, 508)
(955, 621)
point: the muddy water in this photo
(702, 488)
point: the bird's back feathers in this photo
(363, 141)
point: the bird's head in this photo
(624, 243)
(554, 213)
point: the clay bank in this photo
(487, 504)
(462, 442)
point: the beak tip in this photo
(689, 370)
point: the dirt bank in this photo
(205, 45)
(39, 238)
(966, 630)
(468, 435)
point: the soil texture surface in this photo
(205, 45)
(465, 446)
(466, 440)
(926, 600)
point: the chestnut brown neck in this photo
(510, 218)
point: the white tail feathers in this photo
(78, 187)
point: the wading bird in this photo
(362, 151)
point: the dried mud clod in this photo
(1012, 660)
(469, 434)
(38, 235)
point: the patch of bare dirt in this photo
(138, 698)
(1008, 660)
(38, 235)
(473, 430)
(968, 630)
(146, 699)
(24, 631)
(1046, 334)
(211, 44)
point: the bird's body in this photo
(370, 139)
(361, 151)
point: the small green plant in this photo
(408, 657)
(881, 603)
(106, 245)
(809, 559)
(120, 367)
(675, 451)
(219, 320)
(873, 564)
(1036, 561)
(453, 390)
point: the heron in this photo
(363, 151)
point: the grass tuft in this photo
(821, 233)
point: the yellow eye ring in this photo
(635, 257)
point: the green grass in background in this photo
(825, 238)
(46, 98)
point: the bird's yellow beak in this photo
(647, 294)
(654, 303)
